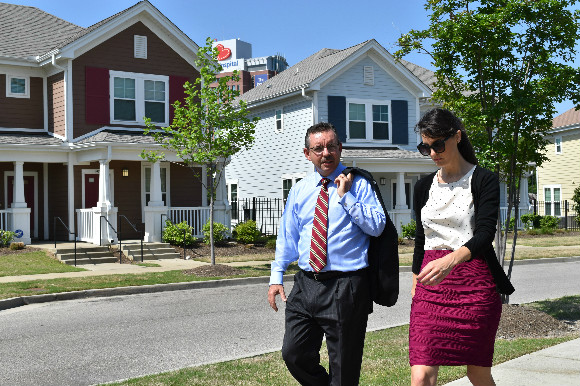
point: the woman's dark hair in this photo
(440, 123)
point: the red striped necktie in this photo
(318, 244)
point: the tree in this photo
(501, 66)
(576, 200)
(208, 128)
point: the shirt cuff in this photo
(347, 201)
(276, 277)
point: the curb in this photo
(7, 304)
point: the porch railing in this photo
(503, 214)
(85, 224)
(4, 220)
(194, 217)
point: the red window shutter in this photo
(97, 96)
(176, 93)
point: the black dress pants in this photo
(338, 308)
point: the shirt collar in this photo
(332, 175)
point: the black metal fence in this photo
(564, 210)
(266, 212)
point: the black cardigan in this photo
(485, 191)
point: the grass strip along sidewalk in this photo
(385, 359)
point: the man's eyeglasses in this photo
(438, 146)
(331, 147)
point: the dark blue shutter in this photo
(400, 116)
(337, 115)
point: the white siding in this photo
(351, 85)
(259, 170)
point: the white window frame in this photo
(369, 120)
(558, 145)
(10, 94)
(162, 165)
(551, 187)
(294, 177)
(139, 96)
(281, 120)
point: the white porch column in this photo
(401, 196)
(107, 234)
(19, 209)
(155, 207)
(402, 213)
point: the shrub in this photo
(408, 230)
(6, 237)
(576, 200)
(220, 233)
(271, 243)
(549, 222)
(531, 220)
(178, 234)
(247, 232)
(16, 246)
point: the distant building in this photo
(236, 54)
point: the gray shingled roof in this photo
(309, 69)
(28, 139)
(127, 137)
(377, 152)
(568, 118)
(300, 74)
(27, 32)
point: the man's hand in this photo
(343, 183)
(274, 290)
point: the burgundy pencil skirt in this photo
(454, 323)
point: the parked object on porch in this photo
(383, 253)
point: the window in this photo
(558, 145)
(279, 120)
(136, 96)
(288, 181)
(368, 120)
(17, 86)
(234, 200)
(552, 201)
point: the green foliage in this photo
(576, 199)
(178, 234)
(271, 242)
(220, 233)
(549, 222)
(408, 230)
(531, 220)
(6, 237)
(246, 232)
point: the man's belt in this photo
(327, 275)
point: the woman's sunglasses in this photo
(438, 146)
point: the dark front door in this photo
(91, 190)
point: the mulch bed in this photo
(222, 250)
(519, 321)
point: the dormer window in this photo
(17, 86)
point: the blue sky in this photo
(295, 29)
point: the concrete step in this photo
(96, 248)
(151, 251)
(91, 260)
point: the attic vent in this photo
(140, 47)
(369, 76)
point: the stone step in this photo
(91, 260)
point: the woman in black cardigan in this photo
(456, 275)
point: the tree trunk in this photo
(211, 203)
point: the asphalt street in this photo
(92, 341)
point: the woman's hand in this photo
(437, 270)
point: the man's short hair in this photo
(319, 128)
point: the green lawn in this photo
(31, 263)
(385, 360)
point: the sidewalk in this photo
(554, 366)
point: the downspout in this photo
(312, 107)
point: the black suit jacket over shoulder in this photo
(485, 191)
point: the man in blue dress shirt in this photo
(335, 301)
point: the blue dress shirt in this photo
(351, 219)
